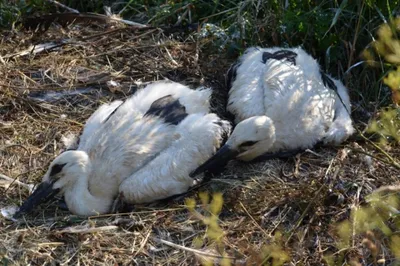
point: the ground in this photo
(272, 210)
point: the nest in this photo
(48, 92)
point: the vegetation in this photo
(311, 210)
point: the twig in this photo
(390, 158)
(51, 220)
(143, 243)
(102, 34)
(355, 36)
(314, 153)
(63, 6)
(128, 22)
(14, 145)
(39, 48)
(199, 252)
(151, 30)
(170, 57)
(254, 221)
(180, 18)
(220, 13)
(372, 156)
(51, 244)
(2, 60)
(304, 214)
(78, 230)
(14, 180)
(130, 213)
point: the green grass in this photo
(335, 32)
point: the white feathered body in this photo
(142, 156)
(294, 97)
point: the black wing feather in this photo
(113, 112)
(280, 55)
(328, 82)
(168, 108)
(231, 75)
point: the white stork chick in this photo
(282, 102)
(142, 149)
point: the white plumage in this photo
(282, 101)
(143, 148)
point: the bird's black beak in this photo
(222, 157)
(43, 192)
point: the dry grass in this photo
(302, 197)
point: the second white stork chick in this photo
(143, 148)
(282, 101)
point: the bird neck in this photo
(79, 199)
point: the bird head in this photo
(63, 173)
(250, 138)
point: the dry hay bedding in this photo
(301, 197)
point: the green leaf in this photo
(336, 17)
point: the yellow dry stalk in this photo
(395, 246)
(387, 46)
(275, 252)
(388, 43)
(190, 204)
(271, 254)
(213, 231)
(366, 218)
(386, 125)
(393, 81)
(344, 231)
(375, 215)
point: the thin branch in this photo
(85, 230)
(63, 6)
(304, 214)
(254, 221)
(143, 243)
(10, 181)
(355, 36)
(373, 156)
(390, 158)
(199, 252)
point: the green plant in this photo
(380, 215)
(368, 222)
(387, 47)
(12, 11)
(214, 232)
(273, 253)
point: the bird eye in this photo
(248, 143)
(56, 169)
